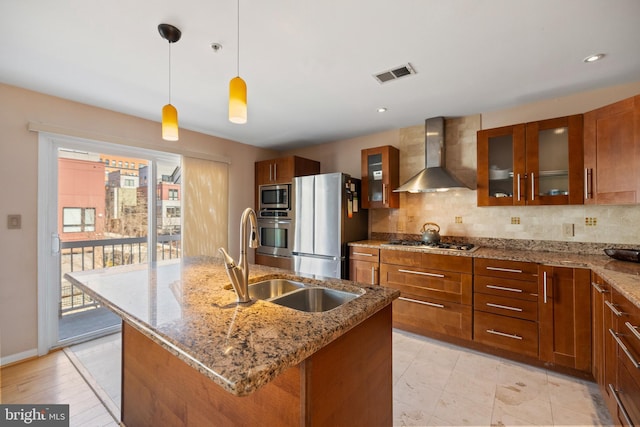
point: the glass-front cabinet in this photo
(537, 163)
(380, 167)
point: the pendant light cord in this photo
(169, 72)
(238, 27)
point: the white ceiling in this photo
(309, 64)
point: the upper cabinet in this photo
(537, 163)
(284, 169)
(612, 153)
(380, 176)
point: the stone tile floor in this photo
(439, 384)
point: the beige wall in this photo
(615, 224)
(18, 193)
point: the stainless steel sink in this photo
(273, 288)
(315, 299)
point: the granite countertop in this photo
(187, 307)
(623, 276)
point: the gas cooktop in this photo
(452, 246)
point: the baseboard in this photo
(18, 357)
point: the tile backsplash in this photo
(457, 214)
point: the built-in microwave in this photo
(277, 196)
(276, 237)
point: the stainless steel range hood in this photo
(434, 177)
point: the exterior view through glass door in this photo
(105, 213)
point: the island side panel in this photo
(349, 382)
(159, 389)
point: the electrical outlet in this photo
(515, 220)
(568, 230)
(590, 221)
(458, 220)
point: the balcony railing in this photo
(96, 254)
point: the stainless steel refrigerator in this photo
(327, 216)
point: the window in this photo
(106, 162)
(120, 164)
(113, 163)
(129, 183)
(173, 212)
(126, 165)
(173, 194)
(75, 220)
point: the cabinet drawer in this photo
(423, 315)
(461, 264)
(506, 269)
(511, 307)
(442, 285)
(360, 253)
(506, 287)
(628, 392)
(629, 324)
(397, 257)
(517, 335)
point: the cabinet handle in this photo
(533, 186)
(598, 288)
(384, 194)
(544, 286)
(421, 273)
(504, 307)
(275, 171)
(502, 288)
(270, 173)
(588, 183)
(430, 304)
(613, 308)
(373, 275)
(362, 254)
(624, 348)
(633, 329)
(518, 186)
(614, 392)
(502, 334)
(507, 270)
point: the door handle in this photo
(55, 244)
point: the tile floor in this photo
(439, 384)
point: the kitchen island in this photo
(193, 356)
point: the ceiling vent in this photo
(394, 74)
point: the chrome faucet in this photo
(239, 274)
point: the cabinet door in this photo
(612, 153)
(363, 272)
(554, 161)
(501, 166)
(283, 170)
(264, 172)
(380, 176)
(565, 316)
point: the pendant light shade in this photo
(169, 123)
(238, 90)
(237, 101)
(169, 112)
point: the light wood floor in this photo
(53, 379)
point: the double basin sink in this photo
(297, 296)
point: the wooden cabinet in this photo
(537, 163)
(564, 301)
(380, 176)
(505, 307)
(364, 265)
(627, 338)
(284, 169)
(436, 292)
(612, 153)
(603, 345)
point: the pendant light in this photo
(238, 90)
(169, 112)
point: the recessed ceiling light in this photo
(593, 58)
(381, 109)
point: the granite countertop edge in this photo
(623, 276)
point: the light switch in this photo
(14, 222)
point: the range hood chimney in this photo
(434, 177)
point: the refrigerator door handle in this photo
(327, 257)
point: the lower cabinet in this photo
(505, 307)
(364, 265)
(436, 292)
(564, 303)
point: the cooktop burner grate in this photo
(456, 246)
